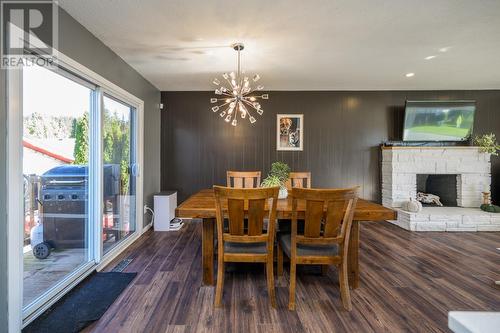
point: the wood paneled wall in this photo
(342, 133)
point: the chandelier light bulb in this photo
(236, 89)
(243, 110)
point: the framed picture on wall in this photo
(290, 132)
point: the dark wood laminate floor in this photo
(409, 282)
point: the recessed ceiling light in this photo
(409, 74)
(430, 57)
(444, 49)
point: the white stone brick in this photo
(445, 218)
(424, 167)
(469, 167)
(495, 218)
(475, 178)
(451, 166)
(387, 168)
(470, 203)
(462, 229)
(491, 227)
(441, 167)
(405, 157)
(387, 155)
(403, 224)
(404, 178)
(485, 157)
(476, 220)
(431, 226)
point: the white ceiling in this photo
(303, 44)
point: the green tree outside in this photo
(116, 144)
(82, 134)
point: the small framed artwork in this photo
(290, 132)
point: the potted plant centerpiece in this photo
(277, 177)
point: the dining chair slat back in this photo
(328, 213)
(243, 179)
(299, 180)
(250, 242)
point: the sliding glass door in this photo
(55, 159)
(74, 184)
(119, 172)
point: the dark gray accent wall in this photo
(342, 134)
(78, 43)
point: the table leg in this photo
(207, 246)
(354, 256)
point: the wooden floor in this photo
(409, 281)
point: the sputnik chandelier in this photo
(237, 96)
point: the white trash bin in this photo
(165, 204)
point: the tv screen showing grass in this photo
(438, 121)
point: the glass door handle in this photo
(135, 170)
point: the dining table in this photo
(201, 205)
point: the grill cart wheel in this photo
(41, 250)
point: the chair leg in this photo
(270, 281)
(344, 285)
(324, 270)
(293, 277)
(220, 283)
(280, 260)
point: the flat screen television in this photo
(438, 120)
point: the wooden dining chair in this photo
(248, 243)
(243, 179)
(298, 179)
(325, 240)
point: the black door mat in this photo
(83, 305)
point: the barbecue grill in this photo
(64, 198)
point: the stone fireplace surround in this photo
(400, 166)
